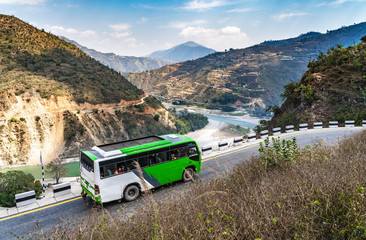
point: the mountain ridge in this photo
(182, 52)
(252, 77)
(122, 64)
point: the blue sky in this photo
(139, 27)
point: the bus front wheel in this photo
(188, 174)
(131, 193)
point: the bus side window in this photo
(109, 170)
(182, 152)
(161, 157)
(192, 151)
(153, 159)
(101, 172)
(130, 165)
(143, 161)
(174, 154)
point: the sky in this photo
(139, 27)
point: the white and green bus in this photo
(108, 172)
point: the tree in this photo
(56, 168)
(363, 39)
(14, 182)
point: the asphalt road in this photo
(24, 224)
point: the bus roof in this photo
(128, 147)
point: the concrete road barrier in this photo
(318, 125)
(238, 141)
(25, 198)
(349, 123)
(276, 131)
(363, 123)
(303, 127)
(290, 128)
(223, 145)
(206, 149)
(252, 137)
(333, 124)
(264, 134)
(61, 189)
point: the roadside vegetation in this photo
(14, 182)
(284, 193)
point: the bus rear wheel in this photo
(188, 174)
(131, 193)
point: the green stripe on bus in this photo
(90, 155)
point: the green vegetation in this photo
(333, 88)
(33, 60)
(304, 198)
(14, 182)
(73, 170)
(188, 122)
(56, 169)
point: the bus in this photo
(110, 172)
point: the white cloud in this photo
(241, 10)
(201, 5)
(120, 26)
(62, 31)
(120, 34)
(340, 2)
(22, 2)
(219, 39)
(289, 15)
(181, 25)
(142, 20)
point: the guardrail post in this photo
(25, 198)
(61, 189)
(290, 128)
(276, 131)
(333, 124)
(303, 127)
(349, 123)
(223, 145)
(238, 141)
(252, 137)
(318, 125)
(363, 123)
(264, 134)
(206, 149)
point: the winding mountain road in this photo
(74, 209)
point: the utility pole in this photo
(42, 171)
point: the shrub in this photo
(279, 153)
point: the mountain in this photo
(183, 52)
(122, 64)
(252, 77)
(333, 88)
(56, 99)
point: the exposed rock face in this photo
(30, 124)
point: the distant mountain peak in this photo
(183, 52)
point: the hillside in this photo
(122, 64)
(56, 99)
(252, 77)
(333, 88)
(183, 52)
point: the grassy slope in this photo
(28, 54)
(320, 195)
(336, 89)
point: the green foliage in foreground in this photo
(14, 182)
(279, 152)
(318, 195)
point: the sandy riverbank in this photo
(212, 133)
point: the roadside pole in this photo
(43, 186)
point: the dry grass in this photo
(318, 196)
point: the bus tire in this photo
(188, 174)
(131, 193)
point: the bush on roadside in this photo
(14, 182)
